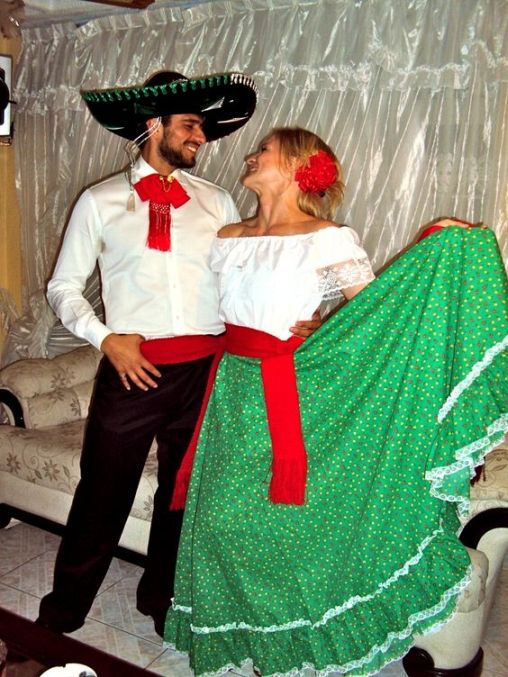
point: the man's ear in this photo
(151, 123)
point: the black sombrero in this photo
(225, 100)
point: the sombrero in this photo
(225, 100)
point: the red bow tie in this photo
(163, 192)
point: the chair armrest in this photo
(50, 391)
(480, 524)
(12, 407)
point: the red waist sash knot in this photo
(289, 458)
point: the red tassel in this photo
(159, 227)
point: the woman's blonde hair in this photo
(301, 144)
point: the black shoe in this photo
(58, 626)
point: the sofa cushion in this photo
(50, 457)
(46, 456)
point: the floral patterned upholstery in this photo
(456, 646)
(491, 490)
(40, 463)
(54, 391)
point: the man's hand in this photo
(122, 350)
(304, 328)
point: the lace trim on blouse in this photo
(343, 275)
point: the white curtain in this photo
(412, 95)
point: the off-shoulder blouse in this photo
(270, 282)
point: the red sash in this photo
(180, 348)
(289, 458)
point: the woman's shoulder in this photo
(323, 224)
(239, 229)
(333, 230)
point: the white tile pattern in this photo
(114, 625)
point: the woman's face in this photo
(264, 165)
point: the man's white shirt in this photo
(154, 293)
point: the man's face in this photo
(182, 137)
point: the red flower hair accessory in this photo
(318, 174)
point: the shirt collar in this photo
(141, 169)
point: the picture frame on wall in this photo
(5, 98)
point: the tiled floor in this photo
(115, 626)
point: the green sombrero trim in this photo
(175, 87)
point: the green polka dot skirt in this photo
(402, 393)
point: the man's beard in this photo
(175, 157)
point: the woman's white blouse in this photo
(270, 282)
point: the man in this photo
(150, 229)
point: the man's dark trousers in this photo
(119, 432)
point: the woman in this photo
(320, 525)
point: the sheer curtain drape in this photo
(412, 95)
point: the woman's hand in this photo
(444, 223)
(304, 328)
(458, 222)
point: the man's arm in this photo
(76, 262)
